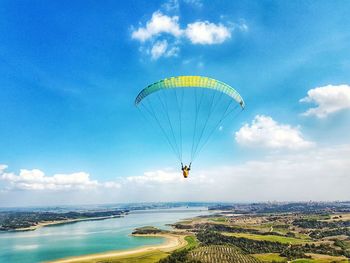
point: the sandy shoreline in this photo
(172, 242)
(61, 222)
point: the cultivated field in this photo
(221, 254)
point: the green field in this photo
(275, 257)
(270, 257)
(306, 260)
(144, 257)
(192, 242)
(317, 217)
(272, 238)
(219, 219)
(222, 254)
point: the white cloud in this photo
(306, 175)
(243, 27)
(35, 179)
(292, 176)
(158, 49)
(206, 33)
(171, 5)
(158, 24)
(113, 185)
(267, 133)
(194, 3)
(161, 48)
(329, 99)
(2, 168)
(158, 176)
(162, 34)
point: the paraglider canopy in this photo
(190, 82)
(188, 110)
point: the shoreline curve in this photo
(172, 242)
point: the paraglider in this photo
(188, 110)
(185, 170)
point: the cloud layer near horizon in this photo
(314, 174)
(36, 179)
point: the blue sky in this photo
(70, 72)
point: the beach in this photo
(172, 242)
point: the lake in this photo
(88, 237)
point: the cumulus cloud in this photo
(35, 179)
(158, 24)
(161, 48)
(265, 132)
(329, 99)
(156, 35)
(206, 33)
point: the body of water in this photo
(88, 237)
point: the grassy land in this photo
(317, 217)
(144, 257)
(218, 219)
(192, 242)
(274, 257)
(267, 227)
(307, 260)
(326, 259)
(273, 238)
(276, 227)
(270, 257)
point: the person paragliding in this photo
(185, 170)
(188, 110)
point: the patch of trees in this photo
(21, 219)
(248, 245)
(332, 232)
(181, 226)
(341, 244)
(256, 247)
(232, 229)
(180, 256)
(147, 230)
(316, 224)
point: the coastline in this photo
(60, 222)
(171, 243)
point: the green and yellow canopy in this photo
(190, 82)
